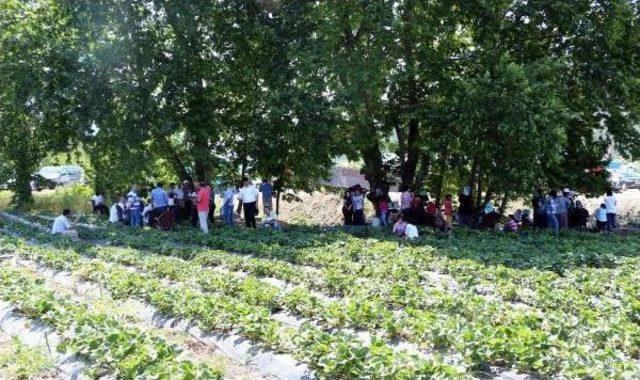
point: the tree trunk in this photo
(504, 202)
(409, 165)
(374, 171)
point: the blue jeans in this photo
(136, 217)
(384, 218)
(552, 222)
(227, 214)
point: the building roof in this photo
(345, 178)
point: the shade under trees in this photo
(500, 95)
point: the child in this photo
(270, 218)
(401, 226)
(448, 212)
(512, 224)
(601, 218)
(383, 206)
(146, 213)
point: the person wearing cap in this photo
(357, 199)
(465, 208)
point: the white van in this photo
(63, 175)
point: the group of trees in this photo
(503, 95)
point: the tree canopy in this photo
(501, 95)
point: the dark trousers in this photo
(212, 214)
(611, 221)
(249, 214)
(101, 209)
(540, 220)
(358, 217)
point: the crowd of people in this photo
(557, 210)
(195, 204)
(189, 203)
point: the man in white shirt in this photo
(611, 203)
(62, 226)
(249, 196)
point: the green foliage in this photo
(19, 361)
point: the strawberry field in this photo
(324, 303)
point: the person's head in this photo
(357, 189)
(401, 218)
(186, 183)
(172, 185)
(466, 190)
(159, 185)
(604, 206)
(172, 195)
(197, 186)
(122, 199)
(512, 217)
(134, 187)
(447, 197)
(267, 209)
(66, 212)
(559, 193)
(566, 191)
(488, 208)
(609, 193)
(264, 180)
(245, 181)
(202, 184)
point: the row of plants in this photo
(494, 333)
(329, 354)
(108, 346)
(561, 308)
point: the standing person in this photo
(611, 203)
(347, 208)
(448, 212)
(267, 194)
(357, 199)
(249, 196)
(564, 204)
(212, 207)
(601, 217)
(135, 207)
(62, 226)
(202, 205)
(227, 205)
(550, 207)
(539, 214)
(159, 201)
(406, 200)
(185, 203)
(465, 208)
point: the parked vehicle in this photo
(39, 183)
(62, 175)
(626, 178)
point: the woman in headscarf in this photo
(465, 210)
(489, 217)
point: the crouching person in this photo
(62, 226)
(270, 219)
